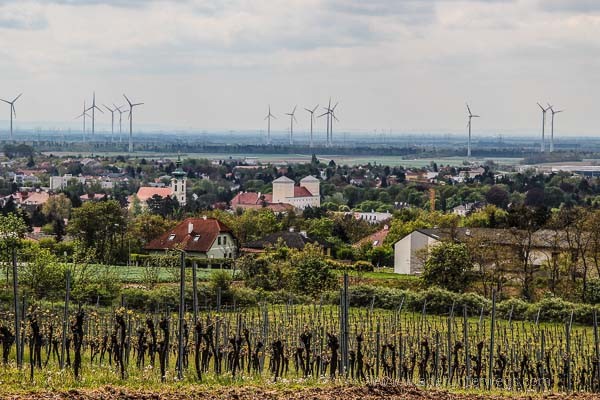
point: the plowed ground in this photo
(368, 392)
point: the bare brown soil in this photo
(368, 392)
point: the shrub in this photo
(519, 309)
(551, 309)
(363, 266)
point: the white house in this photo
(407, 251)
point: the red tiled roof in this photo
(376, 239)
(301, 191)
(36, 198)
(146, 192)
(206, 230)
(250, 198)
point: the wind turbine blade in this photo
(475, 116)
(315, 109)
(294, 110)
(333, 109)
(310, 111)
(111, 111)
(98, 108)
(324, 114)
(17, 98)
(137, 104)
(6, 101)
(334, 117)
(543, 109)
(468, 108)
(127, 99)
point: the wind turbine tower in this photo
(83, 115)
(544, 110)
(327, 113)
(268, 118)
(552, 127)
(13, 113)
(312, 119)
(118, 108)
(292, 119)
(471, 116)
(333, 117)
(131, 105)
(112, 122)
(94, 107)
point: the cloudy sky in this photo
(405, 65)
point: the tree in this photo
(58, 206)
(497, 196)
(41, 272)
(449, 266)
(98, 224)
(311, 274)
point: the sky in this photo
(400, 65)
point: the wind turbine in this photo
(12, 112)
(471, 116)
(333, 117)
(131, 105)
(268, 117)
(83, 115)
(327, 113)
(118, 108)
(552, 127)
(112, 121)
(312, 118)
(94, 107)
(292, 119)
(543, 148)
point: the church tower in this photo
(179, 183)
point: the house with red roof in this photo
(198, 237)
(285, 197)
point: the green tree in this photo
(41, 273)
(99, 225)
(449, 266)
(311, 274)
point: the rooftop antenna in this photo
(552, 127)
(312, 118)
(543, 147)
(118, 108)
(292, 119)
(83, 115)
(131, 105)
(471, 116)
(268, 118)
(13, 113)
(112, 121)
(94, 107)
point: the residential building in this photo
(291, 239)
(198, 237)
(286, 195)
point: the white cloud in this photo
(406, 65)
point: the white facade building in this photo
(308, 194)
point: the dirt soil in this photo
(368, 392)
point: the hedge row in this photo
(167, 297)
(227, 263)
(439, 301)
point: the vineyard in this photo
(75, 346)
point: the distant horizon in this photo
(407, 65)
